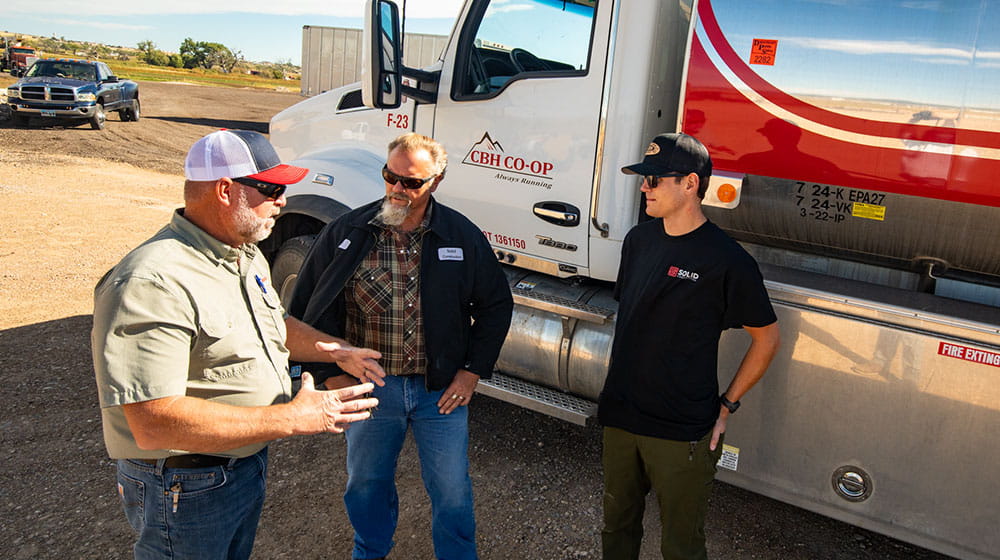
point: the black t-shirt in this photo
(676, 295)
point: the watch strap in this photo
(732, 406)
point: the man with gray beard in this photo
(417, 281)
(191, 351)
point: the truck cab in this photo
(17, 59)
(525, 118)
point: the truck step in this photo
(562, 306)
(540, 399)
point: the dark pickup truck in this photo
(66, 89)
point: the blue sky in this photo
(262, 29)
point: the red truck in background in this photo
(17, 57)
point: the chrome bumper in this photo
(84, 112)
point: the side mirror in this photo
(381, 56)
(111, 79)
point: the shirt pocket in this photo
(373, 290)
(219, 342)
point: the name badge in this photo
(451, 254)
(344, 244)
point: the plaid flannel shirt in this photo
(383, 300)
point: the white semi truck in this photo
(856, 147)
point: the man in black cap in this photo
(682, 281)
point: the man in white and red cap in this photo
(189, 347)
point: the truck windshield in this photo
(56, 69)
(531, 36)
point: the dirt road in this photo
(76, 200)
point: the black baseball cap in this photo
(673, 152)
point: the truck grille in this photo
(44, 93)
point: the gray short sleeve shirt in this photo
(185, 314)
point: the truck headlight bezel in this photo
(88, 97)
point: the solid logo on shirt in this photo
(451, 254)
(676, 272)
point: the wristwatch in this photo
(732, 406)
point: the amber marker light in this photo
(726, 193)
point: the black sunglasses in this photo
(651, 179)
(270, 190)
(407, 182)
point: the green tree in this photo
(146, 47)
(152, 55)
(221, 56)
(194, 53)
(207, 55)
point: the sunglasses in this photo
(406, 182)
(651, 179)
(270, 190)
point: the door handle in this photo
(558, 213)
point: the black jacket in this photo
(466, 303)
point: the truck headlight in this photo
(86, 97)
(13, 93)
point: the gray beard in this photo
(252, 228)
(393, 215)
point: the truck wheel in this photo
(287, 263)
(130, 113)
(97, 121)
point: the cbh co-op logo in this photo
(490, 154)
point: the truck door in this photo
(518, 110)
(112, 91)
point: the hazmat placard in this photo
(763, 51)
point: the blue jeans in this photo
(373, 448)
(200, 513)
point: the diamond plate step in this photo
(540, 399)
(562, 306)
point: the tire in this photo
(97, 121)
(130, 113)
(287, 263)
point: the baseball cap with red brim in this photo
(238, 153)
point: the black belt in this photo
(192, 461)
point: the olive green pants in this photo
(680, 472)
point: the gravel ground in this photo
(76, 200)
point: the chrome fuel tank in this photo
(560, 335)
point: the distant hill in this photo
(62, 47)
